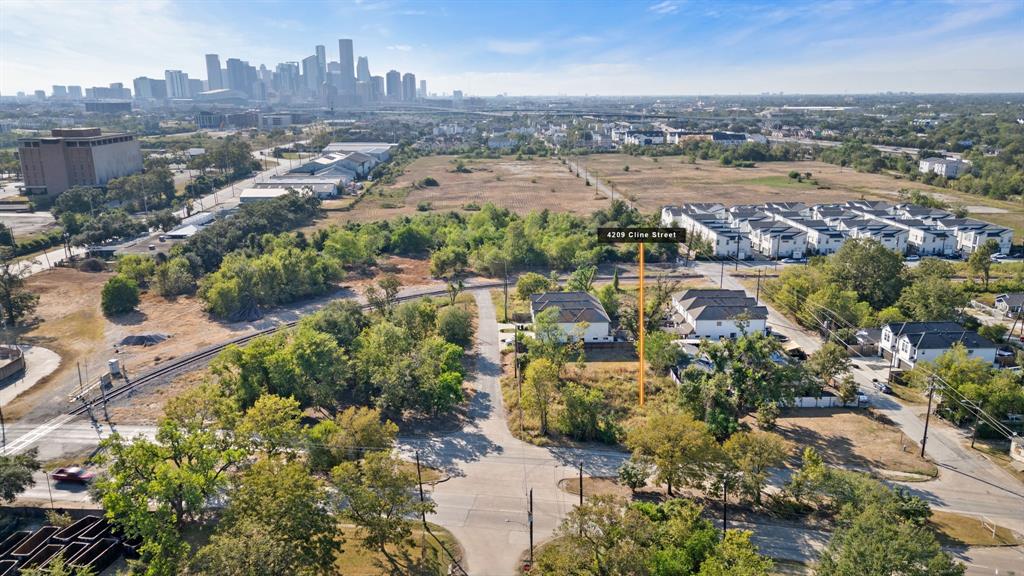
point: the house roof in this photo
(573, 307)
(1013, 300)
(719, 304)
(899, 328)
(945, 340)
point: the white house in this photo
(777, 240)
(948, 167)
(892, 332)
(1010, 304)
(715, 313)
(927, 346)
(644, 138)
(575, 310)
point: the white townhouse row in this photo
(794, 229)
(700, 222)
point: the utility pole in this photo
(725, 506)
(81, 389)
(581, 483)
(757, 297)
(419, 480)
(721, 276)
(529, 521)
(927, 417)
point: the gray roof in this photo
(899, 328)
(944, 340)
(573, 307)
(1013, 300)
(719, 304)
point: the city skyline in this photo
(657, 48)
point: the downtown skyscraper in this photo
(346, 57)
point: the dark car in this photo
(881, 386)
(73, 474)
(780, 337)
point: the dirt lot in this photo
(519, 185)
(72, 324)
(854, 439)
(672, 180)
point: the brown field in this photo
(72, 324)
(854, 439)
(519, 185)
(655, 182)
(673, 180)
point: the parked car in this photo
(912, 258)
(780, 337)
(72, 474)
(881, 386)
(794, 260)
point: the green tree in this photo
(932, 298)
(582, 280)
(875, 544)
(382, 297)
(15, 301)
(980, 261)
(634, 473)
(736, 555)
(153, 489)
(681, 448)
(661, 352)
(752, 454)
(582, 416)
(342, 319)
(829, 361)
(870, 269)
(994, 332)
(455, 325)
(286, 502)
(16, 474)
(531, 283)
(539, 390)
(139, 268)
(272, 424)
(174, 277)
(58, 566)
(348, 435)
(378, 491)
(120, 295)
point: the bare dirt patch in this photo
(854, 439)
(520, 185)
(594, 486)
(72, 324)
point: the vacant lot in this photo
(655, 182)
(72, 324)
(519, 185)
(854, 439)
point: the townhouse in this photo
(715, 313)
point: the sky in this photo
(626, 47)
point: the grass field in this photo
(519, 185)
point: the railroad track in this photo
(26, 440)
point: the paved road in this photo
(484, 503)
(880, 147)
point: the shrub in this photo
(429, 181)
(456, 326)
(424, 207)
(92, 265)
(120, 295)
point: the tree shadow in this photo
(132, 318)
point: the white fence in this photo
(826, 401)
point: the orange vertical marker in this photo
(641, 310)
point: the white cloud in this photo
(400, 47)
(664, 7)
(513, 47)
